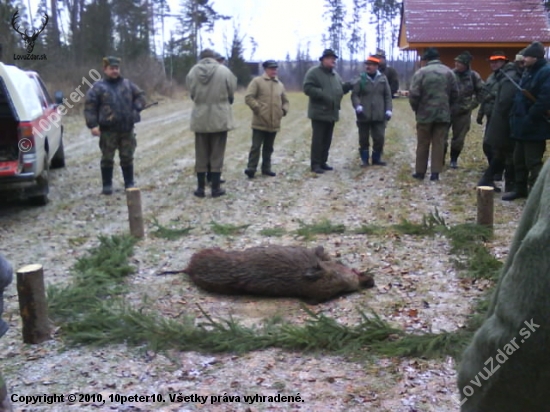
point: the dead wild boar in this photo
(285, 271)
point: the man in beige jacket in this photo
(212, 88)
(266, 97)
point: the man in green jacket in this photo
(372, 100)
(212, 88)
(433, 91)
(266, 97)
(325, 89)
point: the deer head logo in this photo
(28, 39)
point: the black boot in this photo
(128, 175)
(519, 192)
(376, 159)
(107, 179)
(216, 190)
(364, 157)
(201, 177)
(208, 177)
(454, 158)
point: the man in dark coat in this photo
(325, 89)
(6, 276)
(497, 133)
(530, 123)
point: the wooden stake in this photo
(135, 217)
(485, 205)
(5, 404)
(32, 304)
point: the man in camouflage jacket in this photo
(470, 87)
(112, 107)
(432, 93)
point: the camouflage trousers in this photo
(124, 142)
(460, 126)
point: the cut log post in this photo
(5, 404)
(135, 216)
(485, 205)
(32, 304)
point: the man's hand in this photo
(479, 119)
(95, 131)
(359, 109)
(388, 114)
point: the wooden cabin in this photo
(478, 26)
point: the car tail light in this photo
(26, 145)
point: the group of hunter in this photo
(516, 126)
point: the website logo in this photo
(29, 39)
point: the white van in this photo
(31, 134)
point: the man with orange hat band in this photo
(497, 138)
(470, 88)
(530, 121)
(372, 100)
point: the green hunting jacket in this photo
(325, 90)
(432, 92)
(374, 95)
(488, 96)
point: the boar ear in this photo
(320, 253)
(313, 274)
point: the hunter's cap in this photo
(373, 59)
(431, 53)
(465, 58)
(328, 53)
(207, 53)
(270, 64)
(520, 57)
(111, 61)
(380, 53)
(535, 49)
(497, 55)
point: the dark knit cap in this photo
(431, 53)
(535, 49)
(465, 58)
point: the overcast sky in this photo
(278, 26)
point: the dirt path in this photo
(411, 273)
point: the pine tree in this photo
(198, 15)
(236, 61)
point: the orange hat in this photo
(373, 59)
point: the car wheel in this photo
(43, 187)
(58, 159)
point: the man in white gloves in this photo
(372, 100)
